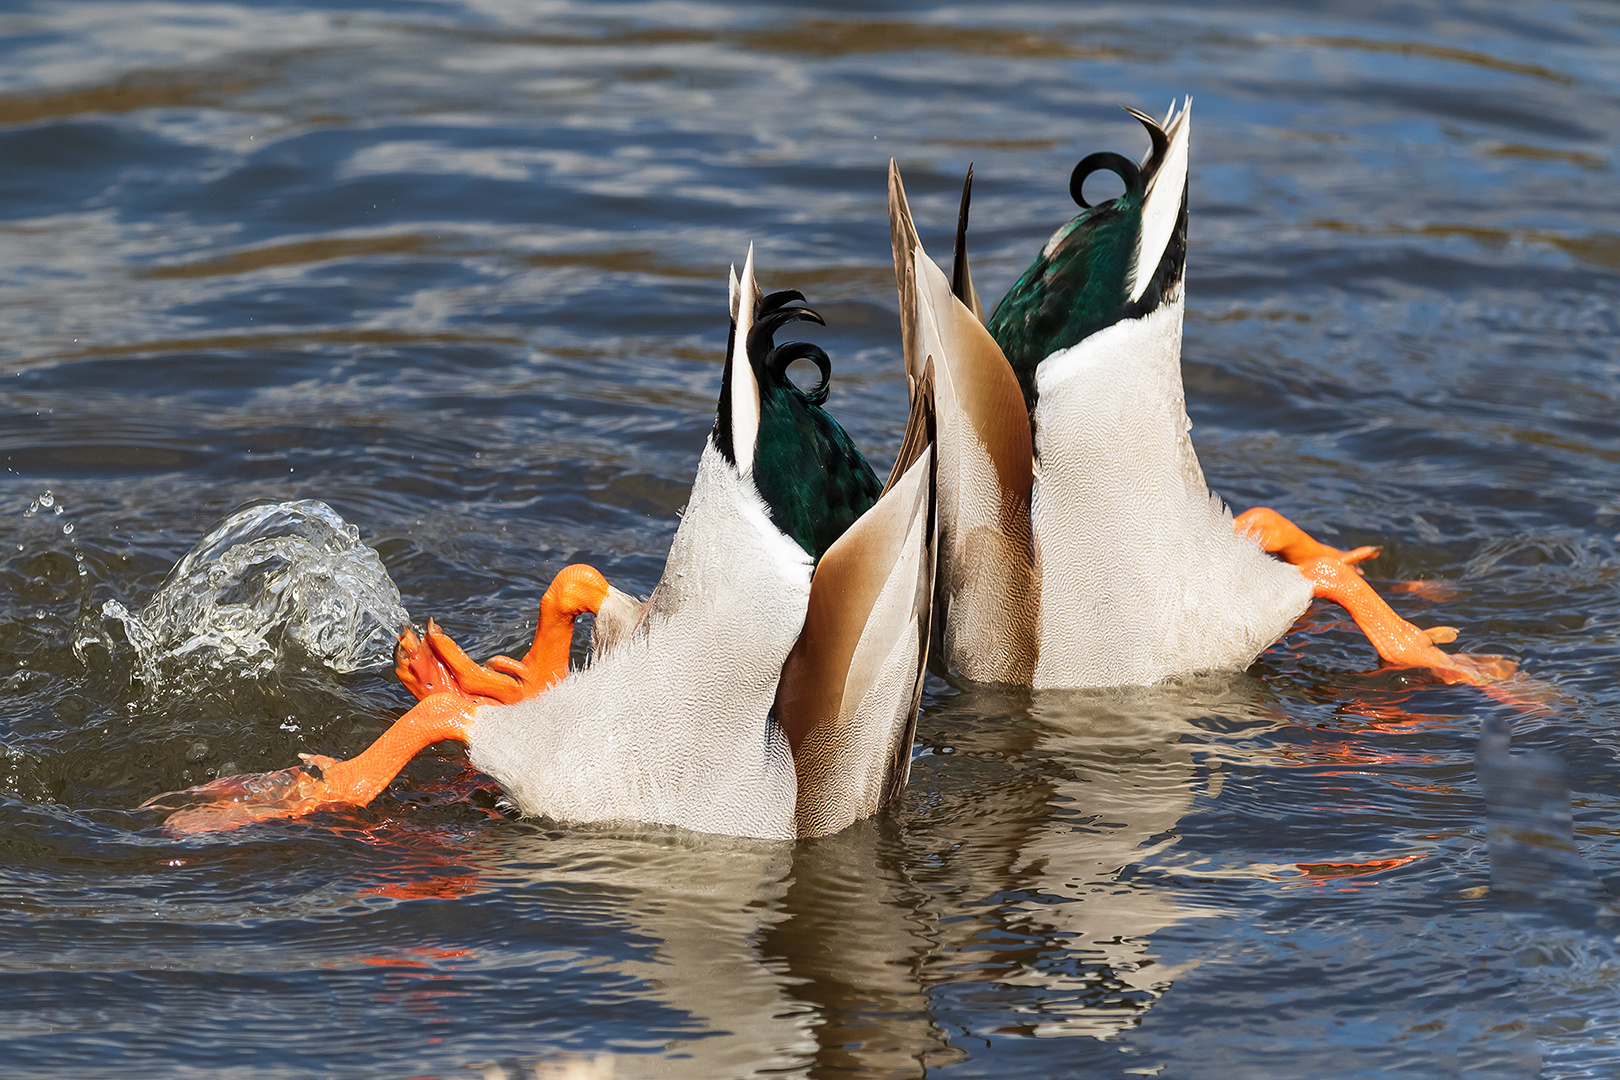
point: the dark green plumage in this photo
(1079, 284)
(1075, 287)
(806, 468)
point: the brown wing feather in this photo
(985, 389)
(900, 755)
(919, 434)
(986, 602)
(903, 235)
(836, 749)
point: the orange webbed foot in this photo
(469, 676)
(418, 667)
(576, 590)
(450, 688)
(1399, 643)
(434, 663)
(234, 801)
(437, 662)
(320, 782)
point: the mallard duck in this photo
(769, 686)
(1079, 544)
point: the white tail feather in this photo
(1161, 207)
(744, 388)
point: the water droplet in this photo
(67, 527)
(47, 499)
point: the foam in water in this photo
(268, 579)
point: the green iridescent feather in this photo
(806, 467)
(1076, 287)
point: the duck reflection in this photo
(857, 940)
(1007, 888)
(701, 904)
(1069, 793)
(1011, 871)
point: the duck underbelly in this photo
(985, 595)
(624, 741)
(1141, 575)
(672, 725)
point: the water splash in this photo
(268, 582)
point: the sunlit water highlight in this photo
(456, 271)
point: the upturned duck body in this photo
(769, 686)
(1079, 544)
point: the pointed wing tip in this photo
(920, 430)
(749, 283)
(1177, 117)
(1173, 116)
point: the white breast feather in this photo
(671, 726)
(1142, 577)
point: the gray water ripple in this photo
(457, 270)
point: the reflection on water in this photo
(831, 953)
(456, 272)
(1563, 923)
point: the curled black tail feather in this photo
(806, 468)
(770, 364)
(770, 318)
(1157, 135)
(773, 301)
(782, 357)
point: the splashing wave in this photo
(268, 579)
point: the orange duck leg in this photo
(1289, 542)
(450, 689)
(1334, 576)
(1399, 643)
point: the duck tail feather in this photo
(961, 276)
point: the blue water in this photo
(458, 270)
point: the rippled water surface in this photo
(457, 271)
